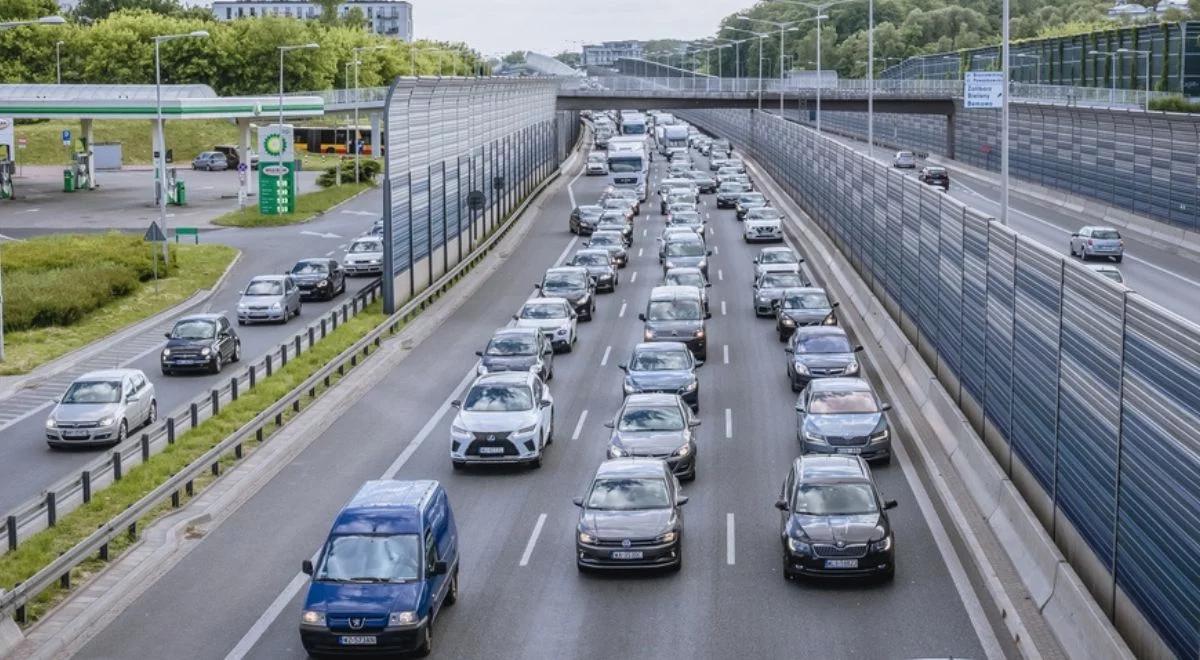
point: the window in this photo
(229, 13)
(431, 556)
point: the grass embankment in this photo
(64, 292)
(39, 550)
(184, 138)
(308, 206)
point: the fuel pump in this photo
(8, 167)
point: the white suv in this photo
(506, 417)
(763, 224)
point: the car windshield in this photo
(781, 280)
(685, 249)
(685, 218)
(563, 282)
(805, 301)
(753, 198)
(628, 494)
(371, 558)
(595, 158)
(603, 240)
(194, 330)
(309, 268)
(834, 500)
(624, 165)
(777, 257)
(590, 260)
(765, 213)
(660, 361)
(615, 203)
(685, 279)
(511, 345)
(674, 310)
(658, 418)
(1105, 233)
(590, 211)
(93, 391)
(823, 344)
(833, 403)
(904, 154)
(499, 397)
(265, 288)
(366, 246)
(548, 310)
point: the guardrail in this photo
(58, 572)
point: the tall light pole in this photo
(1112, 90)
(1004, 66)
(783, 28)
(1146, 53)
(761, 36)
(357, 50)
(58, 61)
(162, 138)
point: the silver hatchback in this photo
(269, 298)
(101, 408)
(1098, 242)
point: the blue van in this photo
(388, 566)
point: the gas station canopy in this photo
(138, 102)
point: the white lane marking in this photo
(722, 308)
(607, 352)
(330, 253)
(30, 210)
(726, 352)
(537, 531)
(256, 631)
(716, 249)
(562, 257)
(633, 278)
(622, 312)
(644, 232)
(711, 231)
(640, 250)
(571, 187)
(579, 425)
(319, 234)
(730, 557)
(720, 275)
(728, 423)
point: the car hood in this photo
(659, 380)
(542, 324)
(197, 344)
(84, 412)
(824, 359)
(843, 425)
(364, 599)
(261, 300)
(683, 262)
(675, 328)
(832, 529)
(310, 277)
(626, 524)
(806, 316)
(566, 295)
(771, 293)
(363, 256)
(493, 422)
(509, 362)
(649, 443)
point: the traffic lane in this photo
(308, 492)
(30, 466)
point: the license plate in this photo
(357, 640)
(75, 434)
(841, 563)
(491, 450)
(849, 450)
(627, 554)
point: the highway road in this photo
(29, 466)
(238, 592)
(1163, 273)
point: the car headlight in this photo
(528, 429)
(703, 264)
(691, 387)
(323, 283)
(700, 334)
(789, 322)
(830, 320)
(668, 537)
(883, 545)
(481, 369)
(814, 437)
(799, 547)
(882, 436)
(669, 264)
(242, 307)
(801, 368)
(205, 351)
(584, 537)
(649, 334)
(615, 452)
(455, 428)
(852, 367)
(276, 306)
(402, 618)
(683, 451)
(562, 332)
(374, 261)
(107, 421)
(50, 423)
(312, 618)
(762, 299)
(166, 352)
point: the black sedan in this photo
(319, 278)
(575, 285)
(584, 218)
(200, 342)
(820, 352)
(666, 366)
(656, 426)
(799, 308)
(631, 517)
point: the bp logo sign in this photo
(275, 170)
(275, 144)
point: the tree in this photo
(98, 9)
(24, 10)
(329, 10)
(570, 59)
(515, 57)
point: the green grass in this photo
(308, 206)
(184, 138)
(198, 267)
(40, 549)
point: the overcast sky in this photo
(551, 26)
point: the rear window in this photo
(1105, 233)
(834, 403)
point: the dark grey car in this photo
(770, 287)
(614, 242)
(666, 366)
(820, 352)
(676, 313)
(319, 278)
(600, 265)
(584, 218)
(200, 342)
(799, 308)
(749, 201)
(682, 251)
(630, 517)
(573, 284)
(843, 416)
(518, 349)
(729, 192)
(656, 426)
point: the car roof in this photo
(659, 346)
(510, 377)
(651, 399)
(820, 331)
(578, 270)
(632, 467)
(812, 467)
(671, 292)
(386, 506)
(512, 332)
(107, 374)
(200, 317)
(842, 384)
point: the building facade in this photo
(608, 52)
(390, 18)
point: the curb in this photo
(316, 216)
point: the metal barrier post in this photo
(85, 480)
(215, 396)
(51, 508)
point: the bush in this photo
(126, 251)
(62, 296)
(368, 169)
(1174, 104)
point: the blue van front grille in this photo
(341, 623)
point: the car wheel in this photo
(536, 463)
(1118, 259)
(452, 593)
(457, 465)
(1071, 247)
(237, 352)
(216, 363)
(241, 322)
(795, 386)
(152, 416)
(342, 287)
(298, 307)
(782, 337)
(122, 432)
(167, 372)
(787, 569)
(426, 646)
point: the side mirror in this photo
(537, 285)
(623, 367)
(167, 335)
(755, 259)
(440, 568)
(578, 501)
(681, 500)
(456, 404)
(608, 425)
(782, 505)
(1075, 235)
(800, 408)
(885, 407)
(707, 315)
(479, 353)
(694, 423)
(800, 260)
(641, 317)
(546, 403)
(306, 567)
(890, 504)
(789, 350)
(834, 304)
(858, 349)
(515, 317)
(708, 285)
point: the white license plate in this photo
(841, 563)
(491, 450)
(627, 554)
(75, 434)
(849, 450)
(357, 640)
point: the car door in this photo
(132, 410)
(789, 485)
(431, 575)
(292, 293)
(225, 340)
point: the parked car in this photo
(842, 416)
(630, 517)
(231, 155)
(365, 256)
(269, 298)
(935, 176)
(101, 408)
(200, 341)
(386, 570)
(1091, 242)
(210, 161)
(319, 278)
(904, 160)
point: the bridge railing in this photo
(349, 97)
(601, 86)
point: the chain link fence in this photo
(1085, 392)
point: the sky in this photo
(496, 27)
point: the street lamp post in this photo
(783, 28)
(761, 36)
(162, 139)
(357, 50)
(58, 61)
(1004, 66)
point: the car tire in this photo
(167, 372)
(536, 463)
(457, 465)
(152, 415)
(216, 363)
(782, 337)
(1071, 247)
(452, 592)
(342, 288)
(241, 322)
(1118, 259)
(795, 386)
(886, 460)
(426, 646)
(122, 432)
(237, 352)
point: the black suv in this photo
(833, 522)
(319, 278)
(935, 176)
(200, 342)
